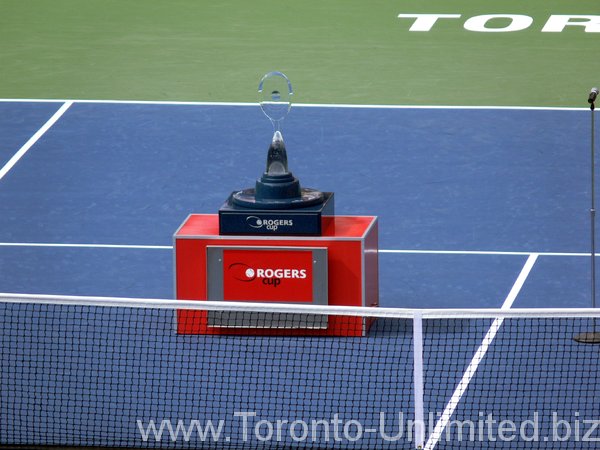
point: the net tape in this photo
(240, 306)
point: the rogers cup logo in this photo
(251, 274)
(268, 276)
(269, 224)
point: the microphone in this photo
(593, 95)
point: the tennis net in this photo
(110, 372)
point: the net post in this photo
(419, 420)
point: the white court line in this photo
(482, 252)
(118, 246)
(33, 139)
(479, 355)
(404, 252)
(299, 105)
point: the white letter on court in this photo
(424, 22)
(518, 22)
(556, 23)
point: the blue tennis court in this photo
(107, 177)
(478, 208)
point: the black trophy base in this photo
(306, 221)
(307, 197)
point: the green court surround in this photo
(334, 51)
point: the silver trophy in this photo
(277, 188)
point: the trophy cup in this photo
(277, 204)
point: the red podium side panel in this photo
(352, 267)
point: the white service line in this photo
(440, 426)
(121, 246)
(33, 139)
(483, 252)
(383, 251)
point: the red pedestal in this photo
(350, 243)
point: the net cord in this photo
(271, 307)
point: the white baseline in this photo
(296, 105)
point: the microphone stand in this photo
(592, 337)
